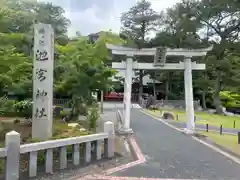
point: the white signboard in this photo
(43, 81)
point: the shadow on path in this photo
(171, 154)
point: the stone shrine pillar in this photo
(43, 81)
(189, 95)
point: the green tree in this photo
(177, 31)
(221, 21)
(15, 71)
(38, 12)
(137, 24)
(14, 20)
(194, 24)
(81, 71)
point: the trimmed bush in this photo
(57, 111)
(231, 101)
(16, 121)
(6, 107)
(168, 115)
(92, 117)
(23, 108)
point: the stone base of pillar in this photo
(124, 131)
(188, 131)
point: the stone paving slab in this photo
(171, 154)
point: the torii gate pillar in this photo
(127, 95)
(189, 96)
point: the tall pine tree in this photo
(137, 24)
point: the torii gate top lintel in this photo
(120, 50)
(160, 55)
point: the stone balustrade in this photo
(103, 143)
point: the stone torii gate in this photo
(159, 63)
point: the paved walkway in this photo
(171, 154)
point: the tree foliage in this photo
(79, 67)
(137, 23)
(196, 24)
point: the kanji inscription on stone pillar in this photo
(42, 81)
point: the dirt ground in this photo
(10, 119)
(23, 128)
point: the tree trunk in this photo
(102, 101)
(204, 105)
(167, 86)
(154, 89)
(141, 71)
(217, 102)
(166, 90)
(204, 90)
(153, 77)
(170, 74)
(140, 84)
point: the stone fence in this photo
(61, 102)
(103, 144)
(173, 103)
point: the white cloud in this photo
(93, 16)
(159, 5)
(88, 21)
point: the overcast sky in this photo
(91, 16)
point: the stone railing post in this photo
(12, 146)
(109, 145)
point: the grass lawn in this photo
(226, 140)
(203, 118)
